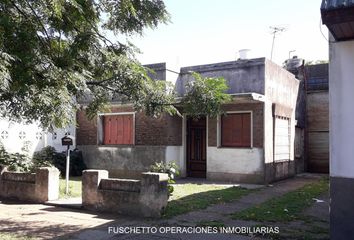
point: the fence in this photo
(36, 187)
(145, 197)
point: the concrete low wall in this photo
(146, 197)
(235, 165)
(36, 187)
(129, 161)
(279, 170)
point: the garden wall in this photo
(145, 197)
(36, 187)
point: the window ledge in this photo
(235, 147)
(116, 145)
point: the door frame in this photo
(185, 142)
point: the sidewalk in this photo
(48, 222)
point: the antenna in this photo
(275, 30)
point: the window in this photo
(118, 129)
(236, 130)
(282, 139)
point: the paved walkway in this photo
(48, 222)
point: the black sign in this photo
(67, 141)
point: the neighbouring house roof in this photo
(157, 71)
(317, 77)
(338, 16)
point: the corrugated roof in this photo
(335, 4)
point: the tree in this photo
(53, 52)
(204, 96)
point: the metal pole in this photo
(274, 32)
(291, 52)
(67, 170)
(271, 53)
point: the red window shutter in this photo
(235, 130)
(107, 130)
(127, 129)
(118, 129)
(226, 130)
(246, 130)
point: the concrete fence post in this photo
(153, 194)
(90, 182)
(47, 184)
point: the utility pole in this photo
(275, 30)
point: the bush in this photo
(14, 161)
(46, 157)
(170, 168)
(43, 158)
(77, 164)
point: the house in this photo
(338, 16)
(252, 142)
(30, 137)
(317, 118)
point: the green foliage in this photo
(15, 161)
(77, 164)
(170, 168)
(44, 157)
(54, 52)
(288, 207)
(205, 96)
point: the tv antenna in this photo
(275, 30)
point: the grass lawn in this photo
(288, 207)
(74, 187)
(191, 197)
(9, 236)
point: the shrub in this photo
(170, 168)
(46, 157)
(43, 158)
(14, 161)
(77, 164)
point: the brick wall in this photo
(86, 130)
(164, 130)
(258, 119)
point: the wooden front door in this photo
(196, 147)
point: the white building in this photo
(17, 136)
(339, 18)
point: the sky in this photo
(211, 31)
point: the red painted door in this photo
(196, 147)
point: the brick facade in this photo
(258, 125)
(86, 130)
(165, 130)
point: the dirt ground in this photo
(50, 222)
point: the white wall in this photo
(268, 132)
(176, 154)
(235, 160)
(341, 100)
(19, 134)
